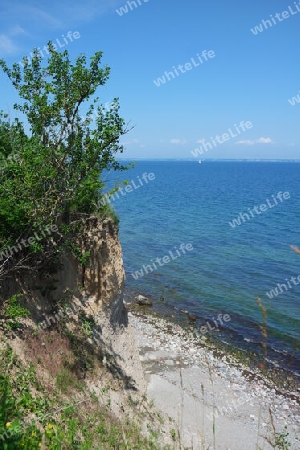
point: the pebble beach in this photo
(216, 402)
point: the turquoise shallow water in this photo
(228, 268)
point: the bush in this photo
(51, 177)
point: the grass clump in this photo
(71, 417)
(14, 310)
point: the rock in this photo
(192, 318)
(143, 301)
(236, 372)
(169, 362)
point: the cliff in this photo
(69, 294)
(68, 329)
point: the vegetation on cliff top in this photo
(51, 165)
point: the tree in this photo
(52, 175)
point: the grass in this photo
(52, 428)
(279, 441)
(66, 380)
(14, 310)
(36, 413)
(87, 326)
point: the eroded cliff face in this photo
(71, 295)
(102, 279)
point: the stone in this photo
(169, 362)
(143, 301)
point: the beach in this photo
(216, 402)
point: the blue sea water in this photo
(228, 268)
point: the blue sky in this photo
(250, 78)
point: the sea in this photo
(241, 219)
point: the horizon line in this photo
(213, 159)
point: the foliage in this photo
(14, 433)
(65, 380)
(52, 175)
(14, 310)
(82, 258)
(87, 326)
(281, 441)
(66, 427)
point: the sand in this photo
(214, 402)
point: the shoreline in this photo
(201, 387)
(280, 363)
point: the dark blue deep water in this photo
(228, 268)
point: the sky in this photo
(223, 74)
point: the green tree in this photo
(52, 173)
